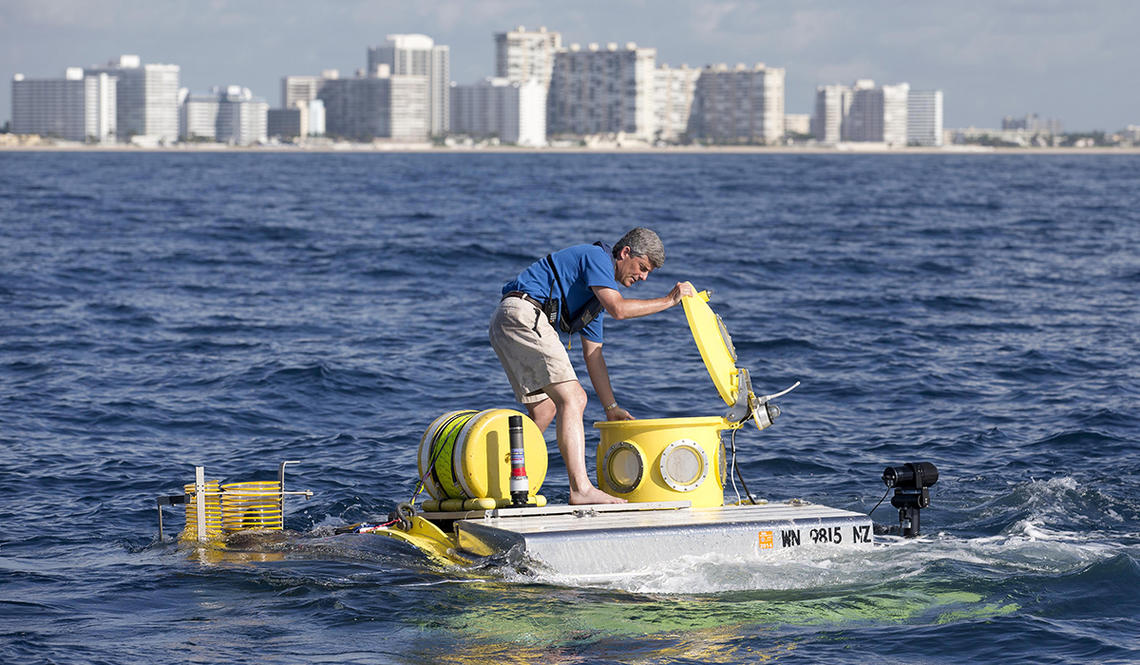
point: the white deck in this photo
(627, 537)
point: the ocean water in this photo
(164, 310)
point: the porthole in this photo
(684, 465)
(625, 467)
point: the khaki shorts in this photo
(529, 349)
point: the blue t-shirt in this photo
(579, 267)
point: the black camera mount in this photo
(912, 483)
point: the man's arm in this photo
(628, 308)
(600, 378)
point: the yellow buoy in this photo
(465, 459)
(436, 447)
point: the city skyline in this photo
(992, 60)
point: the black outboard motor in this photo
(912, 492)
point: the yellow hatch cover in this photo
(714, 344)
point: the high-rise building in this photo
(862, 112)
(198, 117)
(315, 125)
(739, 105)
(226, 115)
(522, 55)
(1032, 123)
(924, 118)
(147, 99)
(419, 55)
(303, 88)
(381, 106)
(831, 105)
(896, 114)
(286, 123)
(602, 91)
(797, 123)
(877, 114)
(77, 107)
(673, 90)
(302, 113)
(305, 119)
(512, 111)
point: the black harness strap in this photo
(572, 323)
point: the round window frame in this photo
(673, 483)
(622, 488)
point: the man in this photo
(575, 288)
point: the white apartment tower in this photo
(198, 117)
(924, 118)
(226, 115)
(602, 91)
(895, 114)
(302, 113)
(77, 107)
(797, 123)
(739, 105)
(522, 55)
(673, 90)
(419, 55)
(831, 105)
(299, 89)
(863, 112)
(384, 105)
(513, 111)
(147, 99)
(303, 88)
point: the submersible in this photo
(671, 471)
(483, 470)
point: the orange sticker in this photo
(765, 540)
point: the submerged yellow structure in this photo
(215, 510)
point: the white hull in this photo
(607, 539)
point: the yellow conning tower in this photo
(675, 459)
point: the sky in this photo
(1075, 61)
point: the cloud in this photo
(452, 14)
(53, 14)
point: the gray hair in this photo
(643, 242)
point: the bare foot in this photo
(592, 495)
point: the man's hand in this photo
(680, 290)
(618, 413)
